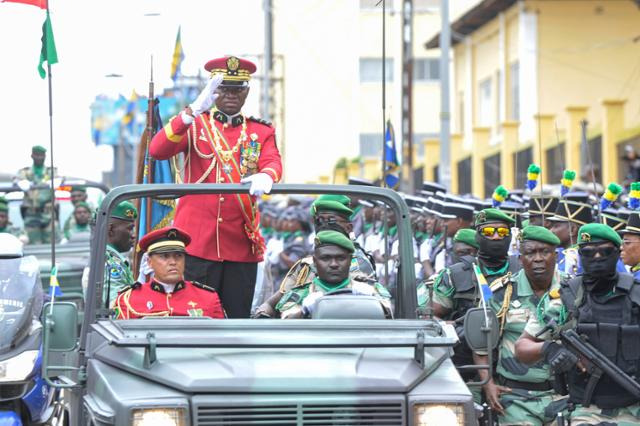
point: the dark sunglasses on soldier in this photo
(591, 252)
(490, 231)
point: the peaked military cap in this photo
(539, 233)
(453, 210)
(476, 204)
(574, 207)
(597, 233)
(493, 215)
(433, 187)
(512, 208)
(39, 148)
(164, 240)
(125, 211)
(467, 236)
(633, 227)
(332, 202)
(359, 181)
(236, 71)
(334, 238)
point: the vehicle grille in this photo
(15, 390)
(309, 412)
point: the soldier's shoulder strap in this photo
(261, 121)
(571, 292)
(203, 286)
(499, 286)
(129, 287)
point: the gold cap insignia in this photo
(232, 65)
(172, 233)
(481, 217)
(128, 213)
(316, 241)
(585, 237)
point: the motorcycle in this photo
(25, 397)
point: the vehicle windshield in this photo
(20, 298)
(288, 274)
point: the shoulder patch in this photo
(203, 286)
(260, 120)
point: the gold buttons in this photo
(219, 219)
(222, 199)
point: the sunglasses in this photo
(490, 231)
(591, 252)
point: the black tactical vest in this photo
(464, 280)
(612, 325)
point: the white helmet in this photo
(10, 246)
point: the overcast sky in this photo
(95, 38)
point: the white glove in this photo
(308, 304)
(24, 185)
(145, 269)
(207, 97)
(261, 183)
(362, 289)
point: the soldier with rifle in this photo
(589, 333)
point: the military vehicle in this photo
(346, 366)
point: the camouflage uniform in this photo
(36, 205)
(117, 273)
(550, 309)
(291, 302)
(514, 304)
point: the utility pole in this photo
(445, 117)
(407, 92)
(268, 60)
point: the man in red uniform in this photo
(167, 293)
(221, 145)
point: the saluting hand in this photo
(207, 97)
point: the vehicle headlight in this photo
(159, 417)
(19, 367)
(438, 414)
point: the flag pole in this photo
(383, 182)
(53, 191)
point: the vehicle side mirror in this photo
(481, 329)
(60, 326)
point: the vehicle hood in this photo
(273, 368)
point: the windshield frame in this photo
(406, 301)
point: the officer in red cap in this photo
(221, 145)
(167, 293)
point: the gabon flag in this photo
(48, 51)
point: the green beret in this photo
(467, 236)
(525, 223)
(80, 188)
(334, 238)
(493, 215)
(598, 232)
(39, 148)
(332, 203)
(539, 233)
(125, 211)
(82, 204)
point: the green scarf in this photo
(38, 171)
(326, 287)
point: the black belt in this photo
(540, 386)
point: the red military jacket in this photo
(223, 227)
(150, 300)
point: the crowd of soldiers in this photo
(542, 262)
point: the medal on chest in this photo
(249, 156)
(226, 152)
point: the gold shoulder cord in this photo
(201, 155)
(126, 296)
(502, 313)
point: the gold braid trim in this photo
(201, 155)
(168, 131)
(126, 295)
(502, 313)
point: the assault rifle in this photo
(596, 364)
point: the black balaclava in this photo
(493, 252)
(601, 272)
